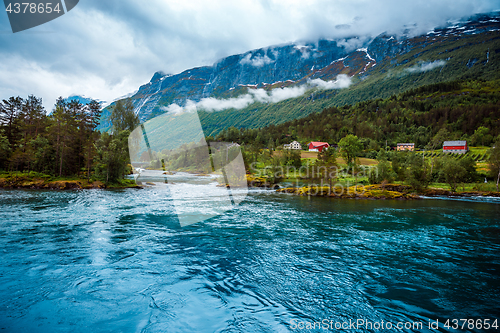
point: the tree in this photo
(4, 149)
(350, 147)
(33, 117)
(112, 156)
(469, 165)
(123, 116)
(9, 115)
(29, 122)
(78, 113)
(481, 135)
(494, 161)
(384, 170)
(417, 174)
(43, 153)
(327, 160)
(292, 158)
(453, 172)
(270, 145)
(398, 164)
(93, 113)
(112, 149)
(62, 130)
(438, 139)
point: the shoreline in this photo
(380, 192)
(22, 181)
(25, 181)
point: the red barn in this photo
(318, 146)
(459, 147)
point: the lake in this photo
(118, 261)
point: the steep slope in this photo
(378, 68)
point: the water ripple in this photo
(119, 261)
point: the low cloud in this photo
(258, 61)
(426, 66)
(351, 44)
(259, 95)
(343, 81)
(304, 49)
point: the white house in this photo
(293, 145)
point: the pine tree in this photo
(9, 116)
(123, 116)
(93, 114)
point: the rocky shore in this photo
(24, 181)
(379, 191)
(389, 191)
(445, 193)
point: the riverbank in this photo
(379, 191)
(37, 181)
(389, 191)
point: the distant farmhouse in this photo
(293, 145)
(406, 146)
(318, 146)
(457, 147)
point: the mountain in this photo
(279, 83)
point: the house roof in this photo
(316, 144)
(406, 144)
(454, 143)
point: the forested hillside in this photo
(466, 110)
(431, 61)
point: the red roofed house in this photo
(318, 146)
(459, 147)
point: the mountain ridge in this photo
(384, 59)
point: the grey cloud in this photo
(106, 49)
(342, 26)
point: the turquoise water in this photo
(118, 261)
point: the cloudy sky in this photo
(105, 49)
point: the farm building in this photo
(406, 146)
(457, 147)
(318, 146)
(293, 145)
